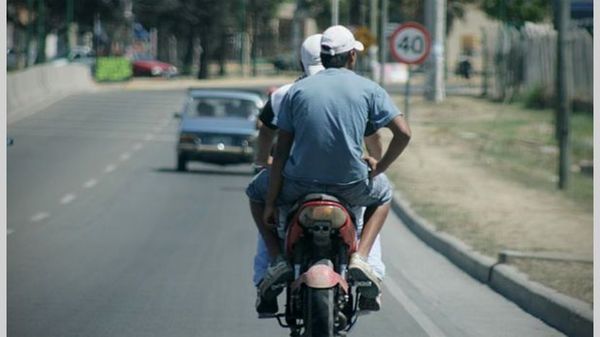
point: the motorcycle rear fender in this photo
(321, 276)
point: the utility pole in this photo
(435, 14)
(563, 70)
(335, 12)
(383, 42)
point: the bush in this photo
(111, 69)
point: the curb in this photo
(569, 315)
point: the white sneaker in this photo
(361, 272)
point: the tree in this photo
(517, 12)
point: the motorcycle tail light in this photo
(332, 214)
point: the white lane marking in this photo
(420, 317)
(67, 199)
(125, 156)
(148, 137)
(90, 183)
(9, 231)
(138, 146)
(110, 168)
(40, 216)
(157, 128)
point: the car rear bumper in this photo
(219, 154)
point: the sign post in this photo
(410, 44)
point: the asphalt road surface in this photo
(105, 238)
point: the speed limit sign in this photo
(410, 43)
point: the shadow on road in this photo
(207, 171)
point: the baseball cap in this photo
(338, 40)
(310, 54)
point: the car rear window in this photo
(222, 107)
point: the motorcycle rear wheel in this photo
(320, 311)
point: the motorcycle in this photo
(322, 300)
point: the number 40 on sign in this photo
(410, 43)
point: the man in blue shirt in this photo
(324, 117)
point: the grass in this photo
(520, 143)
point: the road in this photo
(106, 239)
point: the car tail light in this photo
(187, 138)
(332, 214)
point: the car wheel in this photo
(181, 163)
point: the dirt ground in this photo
(448, 183)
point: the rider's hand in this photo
(269, 217)
(372, 162)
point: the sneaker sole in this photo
(358, 275)
(278, 285)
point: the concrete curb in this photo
(569, 315)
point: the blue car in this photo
(218, 127)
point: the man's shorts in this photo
(368, 192)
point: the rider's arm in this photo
(282, 152)
(401, 136)
(266, 134)
(264, 144)
(374, 145)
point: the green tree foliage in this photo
(517, 12)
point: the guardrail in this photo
(30, 90)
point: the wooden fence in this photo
(524, 60)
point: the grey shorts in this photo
(368, 192)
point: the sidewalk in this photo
(454, 178)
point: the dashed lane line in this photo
(40, 216)
(110, 168)
(125, 156)
(90, 183)
(9, 231)
(138, 146)
(67, 199)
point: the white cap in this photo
(339, 39)
(310, 54)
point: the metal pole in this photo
(563, 91)
(435, 90)
(407, 92)
(383, 42)
(335, 12)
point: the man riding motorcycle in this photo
(325, 117)
(268, 243)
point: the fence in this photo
(523, 61)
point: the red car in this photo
(146, 65)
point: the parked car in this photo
(146, 65)
(218, 126)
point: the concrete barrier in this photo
(30, 90)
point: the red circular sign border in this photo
(417, 26)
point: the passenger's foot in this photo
(278, 273)
(266, 308)
(369, 285)
(369, 304)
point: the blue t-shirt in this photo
(328, 114)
